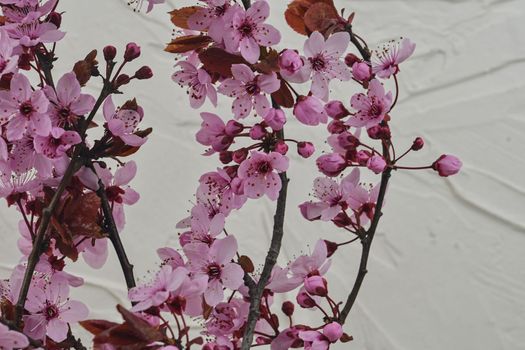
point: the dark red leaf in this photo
(180, 17)
(218, 61)
(246, 264)
(283, 97)
(97, 326)
(188, 43)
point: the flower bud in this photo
(143, 73)
(309, 110)
(240, 155)
(378, 132)
(55, 18)
(122, 79)
(347, 140)
(225, 157)
(257, 132)
(331, 164)
(281, 147)
(350, 59)
(447, 165)
(377, 164)
(333, 331)
(304, 300)
(331, 248)
(233, 127)
(132, 52)
(361, 71)
(336, 110)
(342, 220)
(288, 308)
(336, 127)
(232, 172)
(418, 144)
(109, 53)
(305, 149)
(362, 157)
(316, 285)
(275, 118)
(290, 61)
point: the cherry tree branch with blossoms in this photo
(70, 186)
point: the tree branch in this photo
(114, 237)
(365, 53)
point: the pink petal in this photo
(242, 73)
(242, 106)
(267, 35)
(223, 250)
(261, 104)
(259, 11)
(68, 88)
(314, 44)
(250, 50)
(269, 83)
(74, 311)
(57, 330)
(108, 108)
(214, 293)
(337, 43)
(232, 276)
(125, 174)
(83, 104)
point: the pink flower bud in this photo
(378, 132)
(418, 144)
(333, 331)
(109, 53)
(143, 73)
(290, 61)
(132, 52)
(342, 220)
(240, 155)
(305, 149)
(336, 127)
(304, 300)
(377, 164)
(309, 110)
(347, 140)
(316, 285)
(288, 308)
(447, 165)
(331, 164)
(185, 238)
(281, 147)
(275, 118)
(361, 71)
(336, 110)
(122, 79)
(259, 340)
(233, 128)
(257, 132)
(232, 173)
(350, 59)
(362, 157)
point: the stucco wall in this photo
(447, 269)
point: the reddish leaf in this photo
(120, 149)
(180, 17)
(143, 328)
(122, 334)
(283, 97)
(217, 60)
(321, 17)
(296, 11)
(269, 62)
(346, 338)
(81, 216)
(246, 264)
(96, 327)
(188, 43)
(84, 68)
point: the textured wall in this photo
(447, 268)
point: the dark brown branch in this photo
(76, 162)
(246, 4)
(365, 53)
(114, 237)
(366, 242)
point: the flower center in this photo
(318, 62)
(252, 87)
(51, 312)
(264, 168)
(246, 29)
(376, 110)
(214, 271)
(114, 194)
(26, 108)
(220, 10)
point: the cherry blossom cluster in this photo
(56, 173)
(71, 200)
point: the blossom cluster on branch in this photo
(67, 174)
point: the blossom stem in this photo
(397, 93)
(404, 154)
(413, 167)
(365, 53)
(29, 227)
(348, 242)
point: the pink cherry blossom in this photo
(247, 31)
(314, 340)
(56, 143)
(67, 101)
(249, 90)
(447, 165)
(11, 340)
(8, 61)
(386, 61)
(13, 184)
(259, 174)
(34, 32)
(24, 109)
(315, 264)
(213, 133)
(215, 262)
(331, 164)
(198, 82)
(50, 311)
(227, 318)
(187, 298)
(309, 110)
(361, 199)
(323, 62)
(205, 226)
(24, 158)
(213, 17)
(371, 108)
(124, 122)
(158, 291)
(94, 251)
(216, 192)
(26, 10)
(333, 197)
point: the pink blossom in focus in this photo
(386, 61)
(249, 90)
(259, 174)
(227, 318)
(8, 61)
(213, 18)
(371, 108)
(331, 164)
(57, 143)
(213, 133)
(377, 164)
(34, 32)
(123, 122)
(447, 165)
(314, 340)
(247, 31)
(309, 110)
(198, 82)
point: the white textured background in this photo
(447, 268)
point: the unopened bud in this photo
(132, 52)
(143, 73)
